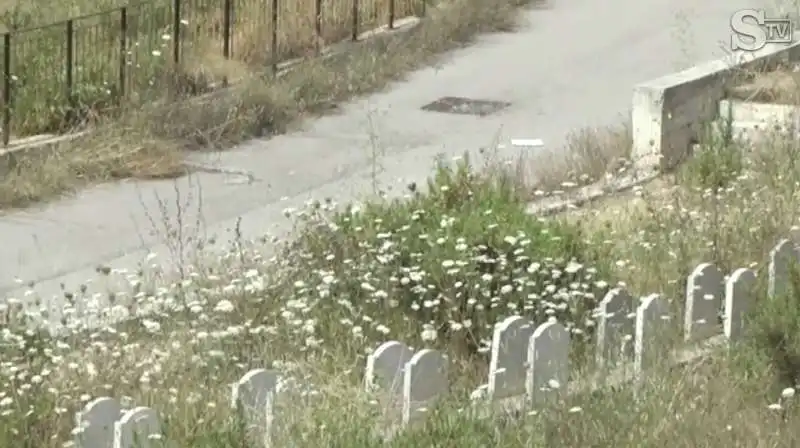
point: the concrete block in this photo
(751, 132)
(769, 114)
(669, 113)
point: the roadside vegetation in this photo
(149, 135)
(437, 268)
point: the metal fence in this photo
(57, 76)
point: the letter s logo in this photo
(755, 31)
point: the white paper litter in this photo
(527, 142)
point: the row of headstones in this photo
(533, 362)
(103, 423)
(527, 362)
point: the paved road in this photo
(572, 65)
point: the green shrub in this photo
(718, 161)
(443, 266)
(773, 337)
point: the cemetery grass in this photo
(435, 268)
(150, 141)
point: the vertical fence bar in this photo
(318, 26)
(232, 27)
(226, 30)
(7, 99)
(123, 50)
(424, 8)
(355, 20)
(391, 14)
(70, 64)
(176, 33)
(274, 38)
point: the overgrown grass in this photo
(588, 156)
(780, 84)
(436, 269)
(258, 105)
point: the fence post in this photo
(274, 41)
(176, 33)
(123, 50)
(424, 8)
(391, 14)
(226, 29)
(318, 25)
(355, 20)
(70, 65)
(6, 88)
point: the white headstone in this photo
(781, 259)
(507, 366)
(424, 382)
(652, 319)
(739, 298)
(704, 292)
(95, 423)
(253, 396)
(385, 365)
(615, 326)
(548, 363)
(137, 428)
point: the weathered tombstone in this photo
(615, 326)
(739, 291)
(95, 423)
(385, 368)
(794, 234)
(507, 367)
(704, 292)
(548, 363)
(782, 258)
(424, 381)
(136, 428)
(253, 397)
(651, 321)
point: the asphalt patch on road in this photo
(465, 106)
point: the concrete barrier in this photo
(756, 122)
(670, 113)
(766, 114)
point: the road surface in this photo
(572, 65)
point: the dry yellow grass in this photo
(779, 84)
(107, 154)
(587, 156)
(296, 32)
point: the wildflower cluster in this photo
(436, 268)
(441, 269)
